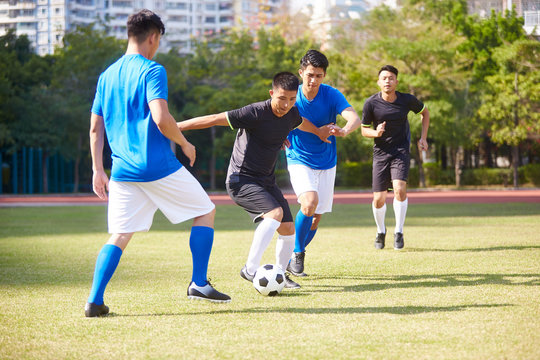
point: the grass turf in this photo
(466, 286)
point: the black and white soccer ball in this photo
(269, 280)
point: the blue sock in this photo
(200, 243)
(302, 224)
(106, 264)
(310, 236)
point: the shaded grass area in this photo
(466, 286)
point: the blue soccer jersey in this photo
(140, 152)
(306, 148)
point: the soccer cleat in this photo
(379, 241)
(398, 241)
(289, 284)
(93, 310)
(245, 275)
(296, 265)
(206, 292)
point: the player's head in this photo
(314, 58)
(143, 25)
(389, 68)
(388, 79)
(283, 92)
(313, 69)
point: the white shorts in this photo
(304, 179)
(132, 205)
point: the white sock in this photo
(261, 238)
(284, 250)
(400, 210)
(379, 215)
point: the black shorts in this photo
(389, 165)
(258, 199)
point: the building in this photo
(330, 14)
(528, 9)
(46, 21)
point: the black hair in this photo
(388, 68)
(141, 24)
(314, 58)
(286, 81)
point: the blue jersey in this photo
(140, 152)
(306, 148)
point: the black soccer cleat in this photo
(379, 241)
(206, 292)
(290, 284)
(93, 310)
(245, 275)
(398, 241)
(296, 265)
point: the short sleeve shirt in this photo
(140, 152)
(259, 139)
(306, 148)
(397, 133)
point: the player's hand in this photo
(189, 150)
(423, 144)
(324, 132)
(337, 131)
(100, 184)
(286, 144)
(380, 129)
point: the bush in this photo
(485, 176)
(354, 174)
(531, 173)
(436, 176)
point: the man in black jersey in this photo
(387, 112)
(262, 130)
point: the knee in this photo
(308, 207)
(276, 214)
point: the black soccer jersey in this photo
(259, 139)
(397, 133)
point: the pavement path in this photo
(340, 197)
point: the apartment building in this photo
(46, 21)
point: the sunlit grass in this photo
(467, 285)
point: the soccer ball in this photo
(269, 280)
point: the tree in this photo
(85, 54)
(511, 104)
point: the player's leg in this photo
(304, 182)
(129, 211)
(262, 237)
(285, 241)
(265, 210)
(380, 182)
(400, 173)
(181, 197)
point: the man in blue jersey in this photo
(310, 161)
(130, 106)
(386, 111)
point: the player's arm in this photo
(167, 125)
(203, 122)
(323, 132)
(373, 133)
(100, 181)
(422, 143)
(353, 122)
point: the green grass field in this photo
(466, 286)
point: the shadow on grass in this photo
(493, 248)
(396, 310)
(424, 281)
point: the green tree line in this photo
(480, 79)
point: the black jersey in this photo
(397, 133)
(259, 139)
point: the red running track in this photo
(340, 197)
